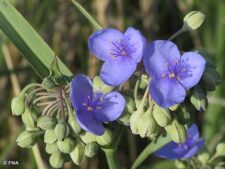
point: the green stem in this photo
(111, 158)
(151, 148)
(182, 30)
(94, 23)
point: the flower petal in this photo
(110, 108)
(158, 55)
(168, 152)
(194, 64)
(136, 42)
(194, 149)
(167, 92)
(193, 132)
(118, 71)
(100, 43)
(88, 123)
(81, 88)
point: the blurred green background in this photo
(66, 31)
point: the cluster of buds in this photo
(47, 115)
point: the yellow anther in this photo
(172, 75)
(163, 75)
(123, 53)
(89, 108)
(84, 104)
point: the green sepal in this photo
(50, 136)
(56, 160)
(66, 145)
(78, 155)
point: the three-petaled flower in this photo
(120, 52)
(93, 109)
(171, 74)
(186, 150)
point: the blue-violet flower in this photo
(120, 52)
(171, 74)
(93, 109)
(186, 150)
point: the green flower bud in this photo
(74, 126)
(46, 122)
(27, 139)
(66, 145)
(193, 20)
(144, 81)
(99, 85)
(106, 139)
(180, 164)
(56, 160)
(203, 157)
(61, 130)
(211, 79)
(134, 121)
(161, 116)
(87, 137)
(91, 149)
(51, 148)
(220, 149)
(50, 136)
(48, 83)
(176, 131)
(29, 118)
(77, 155)
(199, 99)
(18, 105)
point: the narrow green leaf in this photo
(151, 148)
(26, 39)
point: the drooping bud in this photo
(176, 131)
(199, 99)
(50, 136)
(193, 20)
(91, 149)
(77, 155)
(29, 118)
(87, 137)
(27, 139)
(46, 122)
(66, 145)
(106, 139)
(161, 116)
(99, 85)
(18, 105)
(74, 126)
(61, 130)
(51, 148)
(56, 160)
(220, 149)
(180, 164)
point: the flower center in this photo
(92, 103)
(89, 108)
(172, 75)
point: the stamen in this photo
(163, 75)
(89, 108)
(123, 53)
(172, 75)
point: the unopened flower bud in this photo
(50, 136)
(74, 126)
(105, 139)
(51, 148)
(203, 157)
(48, 83)
(87, 137)
(77, 155)
(180, 164)
(66, 145)
(99, 85)
(18, 105)
(161, 116)
(46, 122)
(29, 118)
(193, 20)
(27, 139)
(220, 149)
(91, 149)
(61, 130)
(176, 131)
(56, 160)
(134, 121)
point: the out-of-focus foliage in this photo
(67, 31)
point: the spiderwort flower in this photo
(186, 150)
(120, 52)
(171, 74)
(93, 109)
